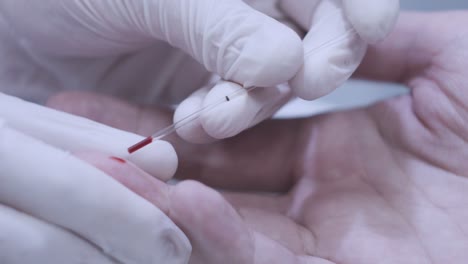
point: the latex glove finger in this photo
(53, 185)
(332, 49)
(372, 19)
(75, 134)
(336, 42)
(227, 37)
(233, 116)
(218, 233)
(44, 243)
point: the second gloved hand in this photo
(56, 208)
(123, 48)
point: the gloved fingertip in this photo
(192, 132)
(325, 71)
(372, 19)
(228, 119)
(158, 159)
(272, 55)
(309, 87)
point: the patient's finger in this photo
(216, 230)
(407, 51)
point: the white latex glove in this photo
(337, 33)
(114, 47)
(55, 208)
(120, 46)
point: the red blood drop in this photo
(118, 160)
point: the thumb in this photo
(333, 50)
(338, 34)
(232, 116)
(372, 19)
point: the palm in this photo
(381, 185)
(361, 200)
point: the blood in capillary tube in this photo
(145, 142)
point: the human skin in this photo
(384, 184)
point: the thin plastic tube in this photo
(187, 120)
(331, 42)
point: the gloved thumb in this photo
(339, 32)
(228, 37)
(233, 116)
(372, 19)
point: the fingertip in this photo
(326, 70)
(272, 55)
(185, 193)
(219, 120)
(158, 159)
(375, 21)
(192, 132)
(193, 203)
(228, 119)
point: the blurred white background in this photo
(361, 93)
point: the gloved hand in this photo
(55, 208)
(120, 47)
(337, 33)
(115, 47)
